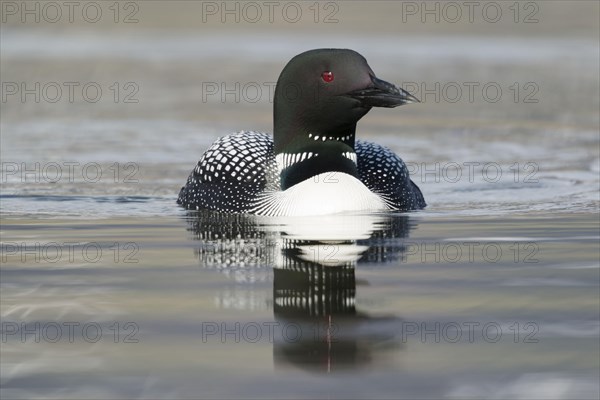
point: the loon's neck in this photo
(309, 154)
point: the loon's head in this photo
(320, 96)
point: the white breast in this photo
(326, 193)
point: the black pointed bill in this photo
(382, 94)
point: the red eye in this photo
(327, 76)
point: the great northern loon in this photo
(313, 165)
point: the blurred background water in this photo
(492, 291)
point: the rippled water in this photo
(109, 290)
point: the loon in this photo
(313, 165)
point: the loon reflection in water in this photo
(312, 260)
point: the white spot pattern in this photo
(325, 138)
(239, 173)
(285, 160)
(350, 155)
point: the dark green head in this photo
(322, 94)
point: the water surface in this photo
(110, 290)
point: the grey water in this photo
(110, 290)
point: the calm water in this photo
(109, 290)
